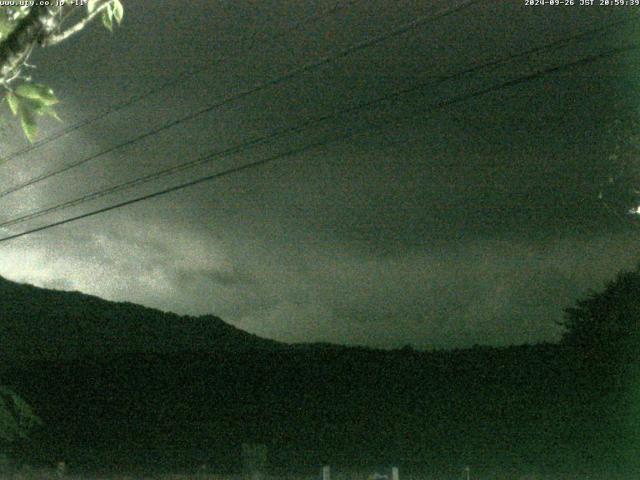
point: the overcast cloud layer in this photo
(475, 224)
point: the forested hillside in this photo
(550, 408)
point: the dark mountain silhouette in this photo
(119, 386)
(37, 322)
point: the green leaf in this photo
(118, 11)
(40, 93)
(14, 102)
(107, 19)
(28, 122)
(6, 26)
(92, 5)
(47, 111)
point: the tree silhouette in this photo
(607, 322)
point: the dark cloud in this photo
(472, 224)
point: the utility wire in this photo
(276, 133)
(261, 86)
(350, 134)
(252, 41)
(548, 47)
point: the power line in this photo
(261, 86)
(276, 133)
(350, 134)
(550, 46)
(252, 41)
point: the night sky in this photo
(472, 224)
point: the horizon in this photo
(270, 236)
(485, 187)
(423, 349)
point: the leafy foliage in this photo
(609, 321)
(10, 17)
(113, 11)
(16, 416)
(30, 100)
(27, 100)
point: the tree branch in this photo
(34, 28)
(55, 39)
